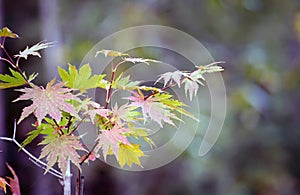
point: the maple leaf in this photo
(124, 83)
(48, 128)
(125, 113)
(129, 154)
(191, 87)
(81, 79)
(33, 50)
(139, 60)
(110, 140)
(192, 82)
(151, 107)
(210, 68)
(51, 100)
(140, 132)
(14, 80)
(111, 53)
(13, 182)
(98, 111)
(3, 184)
(169, 76)
(5, 32)
(60, 149)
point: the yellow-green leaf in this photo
(81, 79)
(129, 154)
(5, 32)
(14, 80)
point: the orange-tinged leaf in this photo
(14, 182)
(60, 149)
(5, 32)
(3, 184)
(51, 100)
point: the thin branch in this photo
(6, 53)
(6, 60)
(44, 167)
(163, 89)
(32, 157)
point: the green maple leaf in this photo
(14, 80)
(60, 149)
(48, 128)
(41, 129)
(5, 32)
(81, 79)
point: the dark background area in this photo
(258, 151)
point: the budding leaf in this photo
(81, 79)
(169, 76)
(111, 53)
(210, 68)
(14, 80)
(60, 149)
(51, 100)
(129, 154)
(33, 50)
(139, 60)
(5, 32)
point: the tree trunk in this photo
(51, 32)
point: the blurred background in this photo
(258, 151)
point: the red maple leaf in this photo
(14, 182)
(51, 100)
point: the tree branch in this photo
(32, 158)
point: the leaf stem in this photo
(88, 155)
(108, 94)
(78, 124)
(163, 89)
